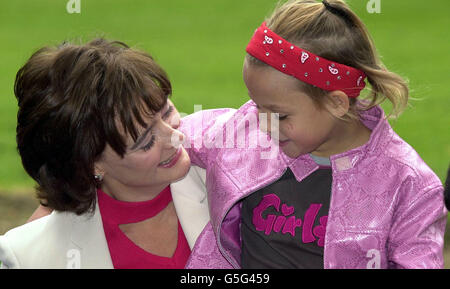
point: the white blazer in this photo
(65, 240)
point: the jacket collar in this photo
(248, 172)
(375, 120)
(88, 236)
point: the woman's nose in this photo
(176, 138)
(171, 137)
(175, 124)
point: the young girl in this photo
(344, 190)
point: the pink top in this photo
(125, 254)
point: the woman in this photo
(96, 132)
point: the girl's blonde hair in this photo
(335, 32)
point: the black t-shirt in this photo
(283, 224)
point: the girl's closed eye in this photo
(282, 117)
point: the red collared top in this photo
(125, 254)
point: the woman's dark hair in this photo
(75, 99)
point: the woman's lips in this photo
(172, 160)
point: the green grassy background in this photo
(201, 45)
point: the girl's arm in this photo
(200, 130)
(417, 235)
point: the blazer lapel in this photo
(88, 237)
(191, 203)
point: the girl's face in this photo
(149, 164)
(303, 128)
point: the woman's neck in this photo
(126, 193)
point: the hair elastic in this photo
(338, 12)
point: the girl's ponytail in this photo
(387, 85)
(332, 30)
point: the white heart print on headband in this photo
(333, 70)
(304, 57)
(268, 40)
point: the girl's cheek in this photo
(287, 128)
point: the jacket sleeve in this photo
(7, 258)
(417, 234)
(206, 253)
(201, 130)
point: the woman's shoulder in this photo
(47, 241)
(29, 233)
(27, 241)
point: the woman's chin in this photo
(180, 169)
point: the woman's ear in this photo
(338, 103)
(98, 169)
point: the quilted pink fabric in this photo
(386, 207)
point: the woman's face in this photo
(149, 164)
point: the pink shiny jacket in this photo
(386, 207)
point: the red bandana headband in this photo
(275, 51)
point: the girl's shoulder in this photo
(388, 156)
(401, 153)
(396, 164)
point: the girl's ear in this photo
(338, 103)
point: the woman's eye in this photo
(149, 144)
(168, 112)
(282, 117)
